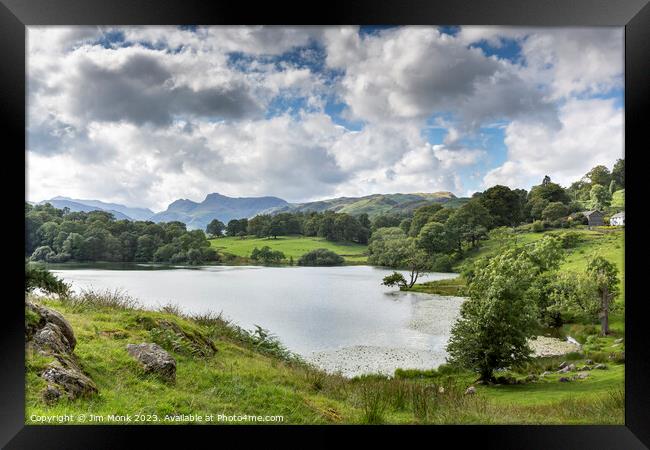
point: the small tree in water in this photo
(394, 279)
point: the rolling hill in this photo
(197, 215)
(119, 211)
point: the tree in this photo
(43, 253)
(266, 255)
(618, 173)
(215, 228)
(421, 216)
(600, 197)
(320, 257)
(416, 262)
(497, 320)
(394, 279)
(469, 223)
(499, 317)
(503, 205)
(364, 221)
(235, 226)
(555, 211)
(37, 277)
(434, 239)
(604, 276)
(599, 175)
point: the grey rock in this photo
(470, 390)
(582, 376)
(50, 338)
(582, 368)
(589, 362)
(572, 367)
(50, 316)
(154, 359)
(51, 394)
(618, 341)
(53, 336)
(565, 369)
(564, 380)
(74, 383)
(600, 366)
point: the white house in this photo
(618, 219)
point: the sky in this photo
(143, 116)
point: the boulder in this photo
(154, 359)
(581, 376)
(589, 362)
(572, 367)
(564, 380)
(51, 335)
(565, 369)
(600, 366)
(470, 390)
(618, 341)
(51, 394)
(582, 368)
(48, 315)
(73, 382)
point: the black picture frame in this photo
(634, 15)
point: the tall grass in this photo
(91, 299)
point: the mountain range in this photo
(216, 206)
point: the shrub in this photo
(320, 257)
(37, 277)
(538, 226)
(43, 253)
(570, 239)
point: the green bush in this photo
(267, 256)
(320, 257)
(37, 277)
(538, 226)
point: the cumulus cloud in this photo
(147, 115)
(414, 72)
(592, 133)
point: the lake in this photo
(339, 318)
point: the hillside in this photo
(74, 206)
(224, 208)
(373, 205)
(119, 211)
(253, 375)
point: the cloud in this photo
(142, 90)
(147, 115)
(592, 133)
(411, 73)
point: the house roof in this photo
(589, 213)
(620, 214)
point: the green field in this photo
(292, 246)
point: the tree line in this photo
(332, 226)
(59, 235)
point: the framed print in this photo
(376, 218)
